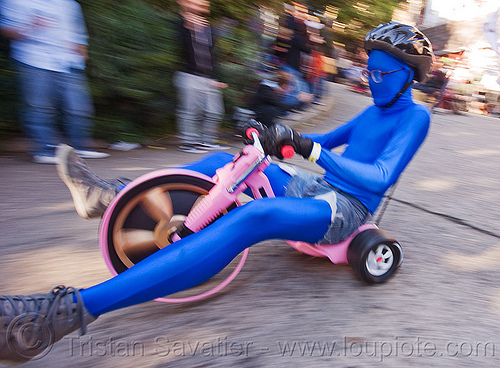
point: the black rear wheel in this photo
(374, 256)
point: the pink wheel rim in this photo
(104, 225)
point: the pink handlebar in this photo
(250, 131)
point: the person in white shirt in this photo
(49, 47)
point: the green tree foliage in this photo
(359, 15)
(8, 92)
(132, 56)
(237, 49)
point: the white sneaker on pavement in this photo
(91, 154)
(192, 149)
(212, 146)
(124, 146)
(43, 159)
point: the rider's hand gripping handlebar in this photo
(287, 151)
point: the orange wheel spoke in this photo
(133, 242)
(158, 205)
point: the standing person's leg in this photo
(318, 90)
(189, 111)
(78, 110)
(213, 113)
(37, 110)
(290, 98)
(311, 84)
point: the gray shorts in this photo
(348, 213)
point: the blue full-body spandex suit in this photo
(380, 142)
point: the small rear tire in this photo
(374, 256)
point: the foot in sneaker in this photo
(212, 146)
(30, 325)
(91, 154)
(45, 159)
(91, 194)
(191, 148)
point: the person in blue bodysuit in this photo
(380, 141)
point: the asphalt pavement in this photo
(286, 309)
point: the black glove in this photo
(252, 123)
(273, 139)
(279, 136)
(265, 137)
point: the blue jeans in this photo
(299, 86)
(348, 213)
(316, 87)
(43, 94)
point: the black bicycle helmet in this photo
(404, 42)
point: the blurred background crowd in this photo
(262, 46)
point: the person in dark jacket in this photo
(200, 104)
(269, 101)
(299, 44)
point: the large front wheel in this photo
(145, 214)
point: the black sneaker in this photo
(91, 194)
(30, 325)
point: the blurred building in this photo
(468, 28)
(451, 24)
(409, 12)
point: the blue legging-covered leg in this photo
(198, 257)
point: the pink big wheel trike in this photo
(166, 205)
